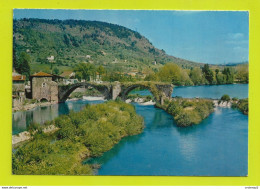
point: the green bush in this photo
(188, 112)
(242, 105)
(225, 97)
(235, 99)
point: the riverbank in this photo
(88, 133)
(26, 135)
(32, 105)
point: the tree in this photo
(242, 73)
(221, 79)
(225, 97)
(22, 66)
(56, 71)
(208, 74)
(229, 75)
(151, 77)
(174, 74)
(101, 70)
(85, 71)
(196, 76)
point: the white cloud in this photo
(235, 36)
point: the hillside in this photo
(69, 42)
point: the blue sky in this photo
(214, 37)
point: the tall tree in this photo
(229, 75)
(101, 70)
(22, 65)
(173, 73)
(85, 71)
(196, 76)
(208, 74)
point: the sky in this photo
(214, 37)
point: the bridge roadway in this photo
(116, 89)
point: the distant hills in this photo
(233, 64)
(63, 44)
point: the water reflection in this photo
(41, 114)
(164, 149)
(107, 156)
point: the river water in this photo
(215, 147)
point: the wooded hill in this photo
(75, 41)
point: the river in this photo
(215, 147)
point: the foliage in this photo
(242, 73)
(225, 97)
(174, 74)
(56, 71)
(235, 99)
(152, 77)
(242, 105)
(85, 71)
(88, 133)
(70, 41)
(118, 77)
(187, 112)
(229, 76)
(208, 74)
(196, 76)
(22, 65)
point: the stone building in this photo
(43, 87)
(18, 89)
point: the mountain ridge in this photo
(74, 41)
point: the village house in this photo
(50, 58)
(69, 77)
(68, 74)
(43, 87)
(18, 89)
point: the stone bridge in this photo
(159, 90)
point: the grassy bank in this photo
(187, 112)
(242, 105)
(88, 133)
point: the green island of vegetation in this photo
(187, 112)
(88, 133)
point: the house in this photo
(43, 87)
(69, 77)
(88, 56)
(68, 74)
(50, 58)
(18, 89)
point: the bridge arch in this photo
(127, 89)
(66, 90)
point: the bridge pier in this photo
(116, 90)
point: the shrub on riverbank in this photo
(187, 112)
(242, 105)
(88, 133)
